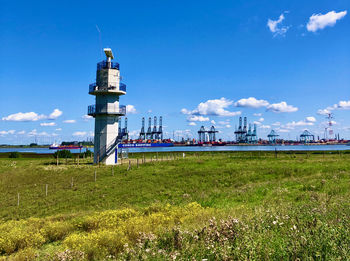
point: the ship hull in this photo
(145, 145)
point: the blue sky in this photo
(193, 62)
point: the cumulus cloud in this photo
(216, 107)
(21, 132)
(251, 102)
(320, 21)
(342, 105)
(276, 26)
(192, 123)
(257, 114)
(281, 107)
(264, 127)
(323, 111)
(310, 119)
(36, 133)
(130, 109)
(79, 133)
(45, 124)
(197, 118)
(24, 116)
(2, 133)
(70, 121)
(55, 114)
(212, 122)
(32, 116)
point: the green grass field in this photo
(215, 206)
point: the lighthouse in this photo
(107, 89)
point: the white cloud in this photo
(132, 134)
(79, 133)
(21, 132)
(216, 107)
(130, 109)
(261, 119)
(224, 122)
(228, 126)
(212, 122)
(55, 114)
(45, 124)
(69, 121)
(275, 26)
(251, 102)
(58, 129)
(323, 111)
(277, 123)
(257, 122)
(345, 105)
(283, 130)
(2, 133)
(342, 105)
(257, 114)
(35, 133)
(86, 117)
(281, 107)
(310, 119)
(26, 116)
(192, 123)
(320, 21)
(293, 124)
(32, 116)
(264, 127)
(197, 118)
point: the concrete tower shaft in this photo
(106, 109)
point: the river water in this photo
(200, 148)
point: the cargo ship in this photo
(64, 147)
(144, 145)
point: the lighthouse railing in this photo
(94, 87)
(106, 109)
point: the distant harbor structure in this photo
(152, 134)
(272, 136)
(207, 135)
(245, 134)
(106, 110)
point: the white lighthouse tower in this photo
(107, 110)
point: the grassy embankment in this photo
(209, 205)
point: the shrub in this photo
(88, 153)
(14, 155)
(63, 154)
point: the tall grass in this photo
(248, 206)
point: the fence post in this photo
(46, 185)
(129, 167)
(95, 175)
(17, 199)
(183, 155)
(72, 184)
(137, 162)
(57, 159)
(78, 159)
